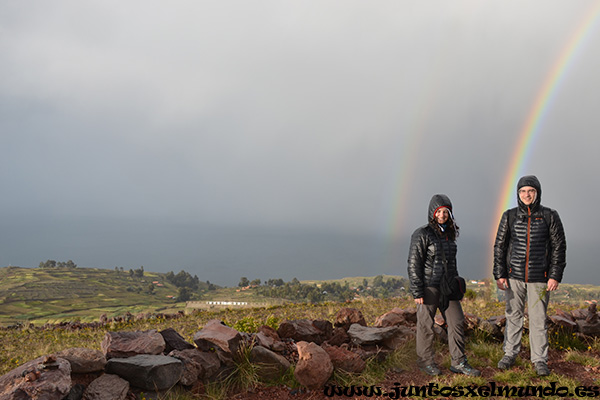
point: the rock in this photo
(564, 314)
(193, 371)
(314, 365)
(499, 320)
(490, 327)
(107, 387)
(149, 372)
(76, 392)
(227, 365)
(344, 360)
(174, 341)
(390, 318)
(210, 363)
(128, 344)
(271, 366)
(217, 334)
(269, 338)
(363, 335)
(301, 330)
(348, 316)
(471, 322)
(402, 336)
(31, 381)
(562, 323)
(339, 337)
(589, 329)
(324, 326)
(581, 313)
(440, 333)
(439, 320)
(82, 360)
(373, 352)
(409, 314)
(592, 316)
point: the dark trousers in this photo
(455, 318)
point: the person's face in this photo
(527, 195)
(442, 215)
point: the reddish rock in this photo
(107, 387)
(440, 333)
(592, 316)
(193, 370)
(301, 330)
(129, 344)
(439, 320)
(471, 322)
(581, 313)
(269, 338)
(390, 318)
(403, 334)
(325, 327)
(348, 316)
(217, 334)
(564, 314)
(314, 365)
(344, 360)
(589, 329)
(270, 365)
(31, 381)
(410, 314)
(269, 332)
(83, 361)
(339, 337)
(209, 361)
(563, 323)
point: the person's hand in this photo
(419, 300)
(552, 284)
(502, 283)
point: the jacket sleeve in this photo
(416, 263)
(501, 248)
(558, 247)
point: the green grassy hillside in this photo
(41, 295)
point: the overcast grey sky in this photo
(146, 133)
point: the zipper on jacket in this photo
(527, 248)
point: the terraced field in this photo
(40, 295)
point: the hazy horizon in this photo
(223, 254)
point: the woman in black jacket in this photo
(432, 252)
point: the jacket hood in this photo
(437, 201)
(533, 181)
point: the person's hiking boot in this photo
(506, 362)
(465, 368)
(542, 368)
(431, 369)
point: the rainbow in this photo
(541, 106)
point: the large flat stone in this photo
(150, 372)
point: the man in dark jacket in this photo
(529, 259)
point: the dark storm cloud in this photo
(301, 116)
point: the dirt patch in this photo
(586, 376)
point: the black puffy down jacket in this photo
(425, 260)
(530, 244)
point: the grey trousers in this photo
(455, 318)
(537, 304)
